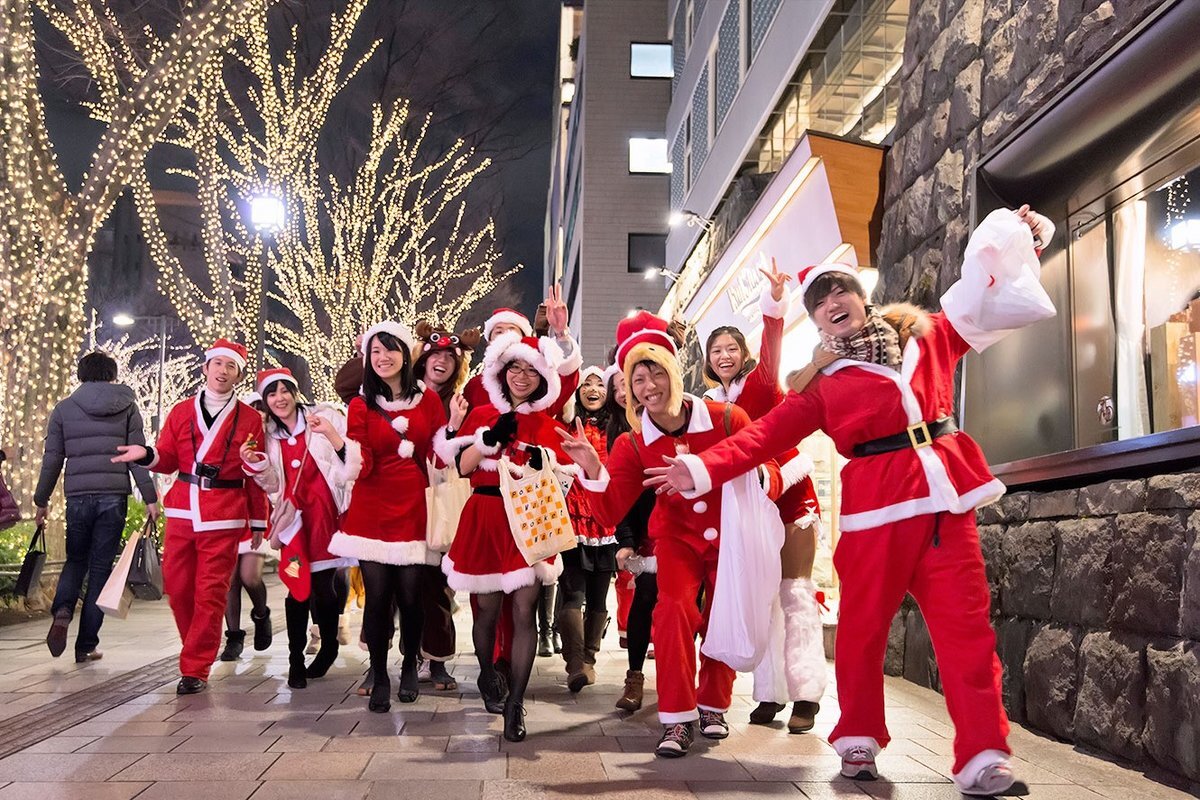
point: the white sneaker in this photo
(992, 779)
(314, 640)
(858, 764)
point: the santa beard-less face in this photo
(221, 374)
(592, 393)
(522, 381)
(386, 363)
(726, 358)
(840, 313)
(281, 401)
(651, 387)
(439, 369)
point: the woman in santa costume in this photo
(248, 576)
(393, 421)
(666, 421)
(588, 568)
(443, 361)
(209, 507)
(882, 386)
(793, 669)
(522, 380)
(309, 464)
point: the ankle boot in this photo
(545, 646)
(235, 642)
(327, 622)
(804, 716)
(570, 625)
(631, 698)
(594, 625)
(409, 683)
(262, 629)
(514, 721)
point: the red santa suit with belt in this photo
(205, 522)
(907, 516)
(386, 521)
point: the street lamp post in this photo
(267, 216)
(124, 320)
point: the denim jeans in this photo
(94, 525)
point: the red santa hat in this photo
(268, 376)
(231, 350)
(397, 329)
(508, 316)
(644, 337)
(543, 354)
(810, 274)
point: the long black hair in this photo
(374, 387)
(599, 417)
(269, 390)
(615, 423)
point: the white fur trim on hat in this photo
(610, 371)
(231, 354)
(645, 336)
(397, 329)
(509, 347)
(588, 372)
(810, 274)
(250, 397)
(510, 317)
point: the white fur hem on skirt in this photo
(362, 548)
(542, 572)
(263, 549)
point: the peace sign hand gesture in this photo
(556, 311)
(778, 280)
(575, 443)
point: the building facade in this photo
(606, 221)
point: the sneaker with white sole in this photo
(858, 763)
(675, 741)
(991, 780)
(424, 675)
(713, 725)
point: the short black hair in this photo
(543, 388)
(824, 285)
(96, 367)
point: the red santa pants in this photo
(682, 570)
(196, 570)
(936, 559)
(624, 600)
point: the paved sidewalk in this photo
(249, 735)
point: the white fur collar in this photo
(403, 405)
(699, 421)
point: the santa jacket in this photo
(385, 520)
(619, 484)
(339, 475)
(186, 441)
(856, 402)
(534, 429)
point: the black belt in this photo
(490, 491)
(915, 437)
(211, 483)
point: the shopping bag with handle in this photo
(31, 568)
(145, 572)
(116, 596)
(536, 508)
(444, 501)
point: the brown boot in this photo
(594, 624)
(570, 627)
(804, 716)
(631, 698)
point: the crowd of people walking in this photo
(534, 484)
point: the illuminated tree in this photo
(48, 229)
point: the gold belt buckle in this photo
(919, 435)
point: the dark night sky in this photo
(484, 68)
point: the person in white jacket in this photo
(307, 468)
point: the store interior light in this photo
(660, 272)
(1185, 235)
(123, 320)
(568, 91)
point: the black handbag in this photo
(145, 573)
(31, 569)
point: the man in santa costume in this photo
(665, 421)
(882, 386)
(209, 507)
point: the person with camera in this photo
(83, 431)
(209, 507)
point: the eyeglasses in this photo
(516, 369)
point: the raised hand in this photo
(556, 311)
(128, 453)
(1041, 227)
(575, 443)
(458, 411)
(671, 479)
(778, 280)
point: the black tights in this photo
(577, 586)
(637, 629)
(246, 575)
(524, 643)
(325, 604)
(390, 586)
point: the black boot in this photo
(409, 682)
(295, 614)
(493, 690)
(514, 721)
(262, 629)
(545, 646)
(235, 642)
(380, 701)
(327, 622)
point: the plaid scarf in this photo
(876, 343)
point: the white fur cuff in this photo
(699, 473)
(771, 307)
(446, 448)
(796, 470)
(485, 449)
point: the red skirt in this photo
(484, 557)
(799, 504)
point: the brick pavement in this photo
(250, 736)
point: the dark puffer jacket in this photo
(85, 429)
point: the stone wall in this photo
(1096, 606)
(973, 70)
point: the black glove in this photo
(535, 458)
(502, 432)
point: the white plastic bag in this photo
(748, 575)
(1000, 289)
(116, 596)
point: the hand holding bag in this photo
(145, 579)
(31, 567)
(536, 509)
(444, 501)
(116, 596)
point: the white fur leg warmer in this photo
(770, 683)
(804, 648)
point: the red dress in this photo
(386, 518)
(588, 530)
(484, 557)
(312, 497)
